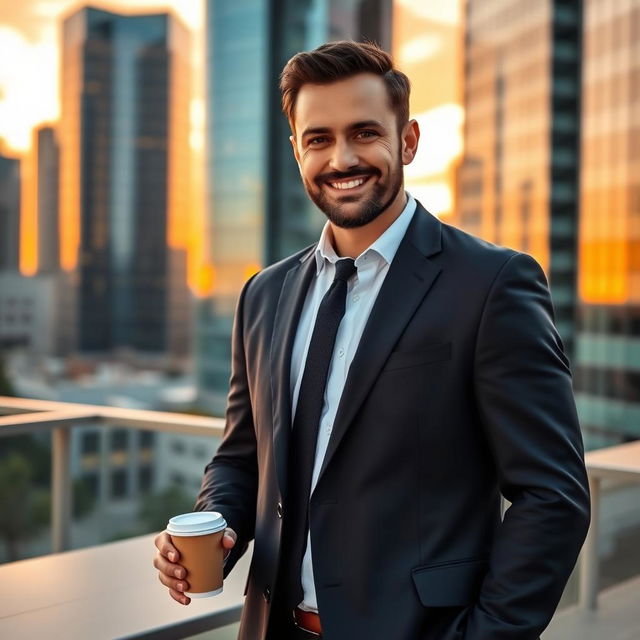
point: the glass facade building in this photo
(125, 177)
(257, 210)
(607, 359)
(517, 183)
(9, 213)
(552, 167)
(48, 174)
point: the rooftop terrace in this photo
(112, 591)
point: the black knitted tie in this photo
(302, 448)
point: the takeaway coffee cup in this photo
(198, 538)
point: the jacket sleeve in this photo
(524, 396)
(230, 480)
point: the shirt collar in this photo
(385, 246)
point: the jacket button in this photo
(266, 594)
(279, 509)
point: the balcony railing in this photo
(81, 592)
(29, 416)
(18, 416)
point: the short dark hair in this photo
(336, 61)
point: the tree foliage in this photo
(24, 507)
(6, 388)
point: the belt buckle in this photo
(295, 622)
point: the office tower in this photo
(124, 176)
(607, 362)
(30, 313)
(9, 213)
(47, 162)
(517, 184)
(257, 209)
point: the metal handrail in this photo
(25, 415)
(617, 463)
(29, 415)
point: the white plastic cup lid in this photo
(198, 523)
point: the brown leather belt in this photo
(307, 621)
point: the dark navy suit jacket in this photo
(459, 393)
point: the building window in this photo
(145, 479)
(90, 443)
(119, 483)
(177, 446)
(147, 438)
(119, 440)
(91, 481)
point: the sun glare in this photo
(28, 86)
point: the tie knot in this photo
(345, 268)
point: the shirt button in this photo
(356, 297)
(279, 509)
(341, 352)
(329, 429)
(266, 594)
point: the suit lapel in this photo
(408, 280)
(290, 303)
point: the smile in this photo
(344, 185)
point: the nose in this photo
(344, 156)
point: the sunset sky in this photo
(425, 37)
(29, 33)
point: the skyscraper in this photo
(552, 158)
(47, 161)
(124, 176)
(607, 362)
(517, 183)
(9, 213)
(257, 209)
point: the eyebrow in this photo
(363, 124)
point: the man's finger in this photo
(179, 597)
(163, 543)
(168, 568)
(179, 586)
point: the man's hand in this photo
(172, 574)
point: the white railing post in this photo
(589, 561)
(61, 489)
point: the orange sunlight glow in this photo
(604, 271)
(29, 96)
(28, 216)
(427, 34)
(426, 47)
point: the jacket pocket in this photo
(406, 359)
(450, 584)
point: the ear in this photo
(409, 141)
(296, 153)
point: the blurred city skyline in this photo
(425, 42)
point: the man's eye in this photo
(366, 134)
(317, 140)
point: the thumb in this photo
(229, 538)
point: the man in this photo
(388, 385)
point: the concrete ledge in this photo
(617, 617)
(106, 592)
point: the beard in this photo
(372, 207)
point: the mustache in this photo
(356, 172)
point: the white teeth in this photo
(347, 185)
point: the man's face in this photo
(348, 148)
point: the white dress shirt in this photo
(372, 267)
